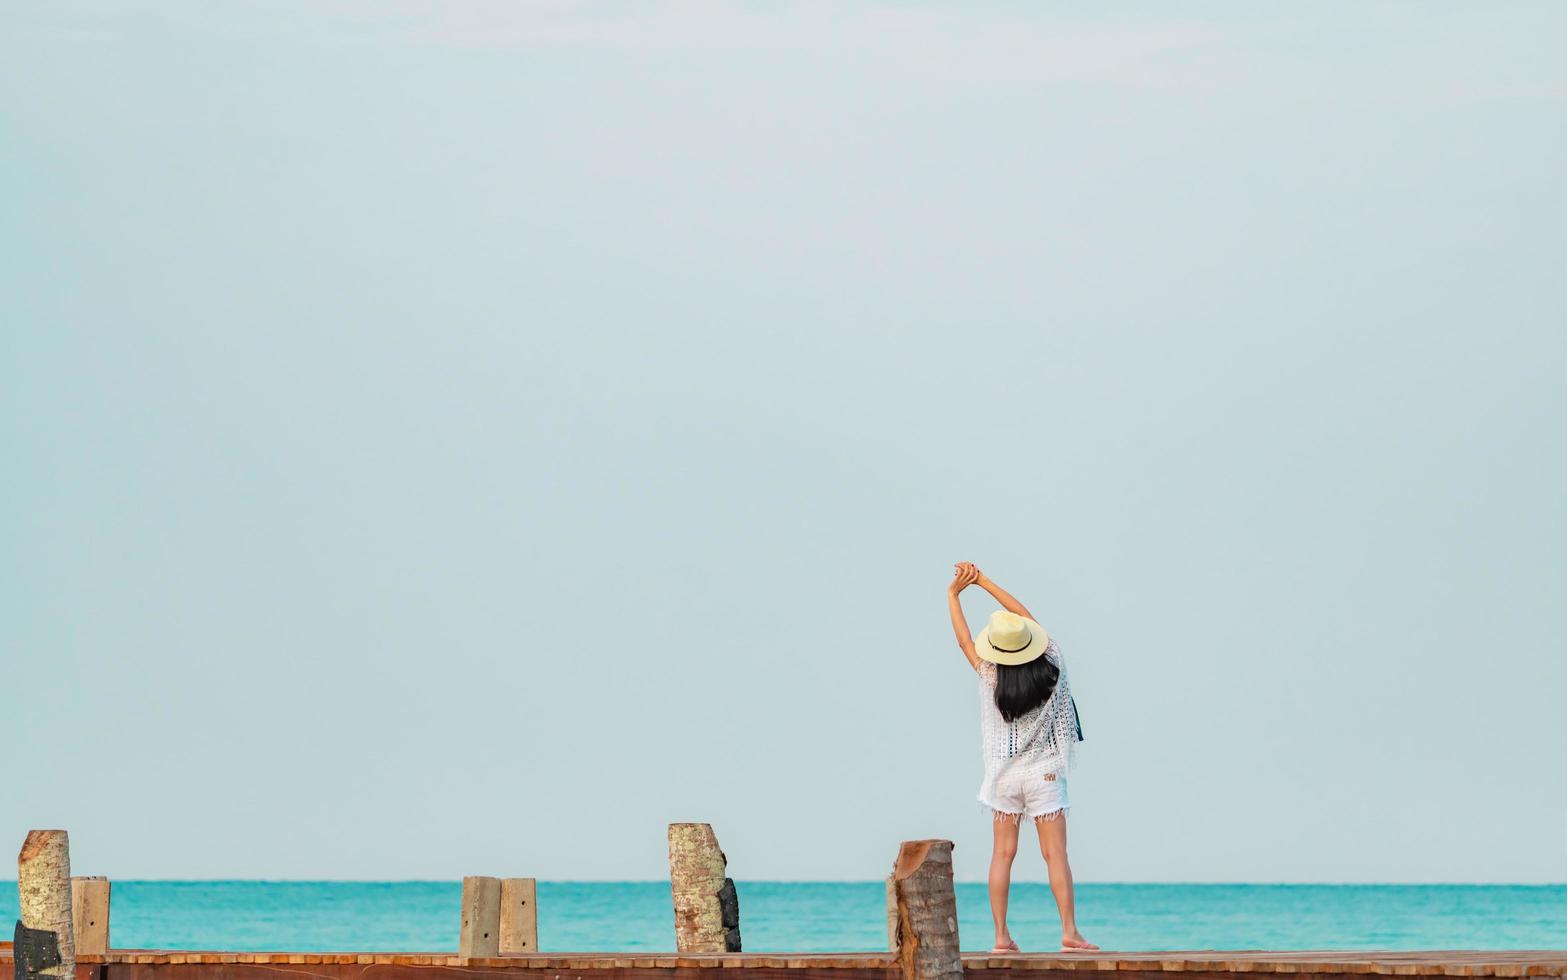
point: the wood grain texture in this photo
(707, 908)
(43, 884)
(519, 916)
(90, 915)
(892, 913)
(480, 932)
(926, 908)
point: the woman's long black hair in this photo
(1023, 688)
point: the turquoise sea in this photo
(802, 916)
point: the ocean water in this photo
(802, 916)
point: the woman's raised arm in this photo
(965, 576)
(1002, 596)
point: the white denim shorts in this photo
(1034, 797)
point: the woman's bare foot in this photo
(1076, 943)
(1005, 946)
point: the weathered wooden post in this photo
(90, 915)
(707, 908)
(44, 949)
(481, 917)
(926, 906)
(519, 916)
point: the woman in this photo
(1030, 729)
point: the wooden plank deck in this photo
(147, 964)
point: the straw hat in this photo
(1011, 639)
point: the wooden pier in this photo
(142, 964)
(63, 933)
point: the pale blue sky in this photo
(451, 438)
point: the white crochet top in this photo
(1041, 742)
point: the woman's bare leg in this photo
(1052, 844)
(1003, 850)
